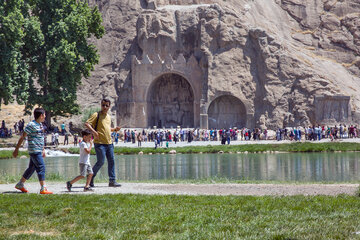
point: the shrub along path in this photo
(197, 189)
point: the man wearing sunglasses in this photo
(100, 125)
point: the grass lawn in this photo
(32, 216)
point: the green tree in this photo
(56, 44)
(13, 68)
(52, 49)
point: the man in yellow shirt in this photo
(100, 125)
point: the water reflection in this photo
(304, 167)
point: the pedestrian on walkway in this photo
(84, 162)
(66, 138)
(100, 125)
(34, 132)
(63, 129)
(75, 139)
(139, 139)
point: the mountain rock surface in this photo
(291, 62)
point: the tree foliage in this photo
(53, 47)
(13, 68)
(86, 114)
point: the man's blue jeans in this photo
(36, 163)
(103, 150)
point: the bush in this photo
(88, 112)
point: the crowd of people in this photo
(19, 126)
(6, 132)
(311, 133)
(158, 136)
(54, 131)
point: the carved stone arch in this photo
(227, 111)
(146, 72)
(248, 105)
(170, 98)
(173, 72)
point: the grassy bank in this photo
(6, 154)
(177, 217)
(6, 178)
(251, 148)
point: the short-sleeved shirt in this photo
(103, 127)
(35, 135)
(84, 156)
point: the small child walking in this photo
(84, 162)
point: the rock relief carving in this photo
(332, 108)
(171, 101)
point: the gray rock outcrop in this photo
(275, 56)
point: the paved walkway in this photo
(197, 189)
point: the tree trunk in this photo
(48, 118)
(45, 91)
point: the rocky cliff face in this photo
(330, 28)
(119, 20)
(274, 55)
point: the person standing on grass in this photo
(84, 162)
(34, 132)
(100, 125)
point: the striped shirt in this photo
(35, 134)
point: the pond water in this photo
(302, 167)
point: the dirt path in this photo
(198, 189)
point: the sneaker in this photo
(21, 188)
(91, 184)
(88, 189)
(45, 191)
(68, 186)
(114, 184)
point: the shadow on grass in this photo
(12, 192)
